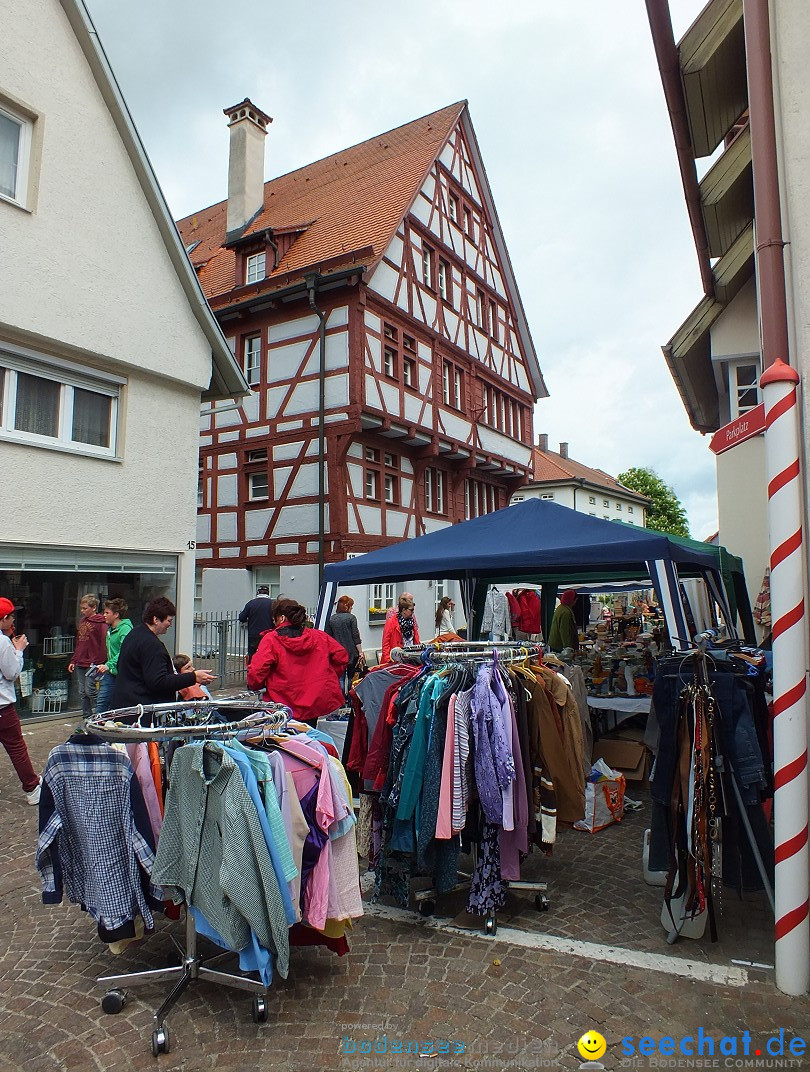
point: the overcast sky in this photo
(568, 108)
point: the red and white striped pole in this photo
(785, 522)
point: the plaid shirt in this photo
(95, 841)
(212, 848)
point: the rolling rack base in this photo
(192, 967)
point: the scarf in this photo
(406, 626)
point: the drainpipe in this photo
(767, 212)
(786, 514)
(312, 282)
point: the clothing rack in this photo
(189, 719)
(677, 917)
(447, 651)
(507, 651)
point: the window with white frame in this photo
(253, 360)
(452, 207)
(444, 280)
(605, 502)
(56, 405)
(630, 509)
(452, 385)
(518, 498)
(390, 488)
(372, 484)
(258, 485)
(619, 507)
(547, 495)
(15, 154)
(592, 500)
(390, 361)
(427, 266)
(479, 498)
(434, 491)
(743, 387)
(380, 598)
(200, 486)
(255, 267)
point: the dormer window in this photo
(255, 267)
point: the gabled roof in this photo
(552, 468)
(347, 206)
(227, 379)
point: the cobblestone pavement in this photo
(507, 1005)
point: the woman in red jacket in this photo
(400, 629)
(297, 666)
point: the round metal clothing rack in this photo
(186, 720)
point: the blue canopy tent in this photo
(540, 542)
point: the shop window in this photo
(15, 153)
(258, 486)
(255, 267)
(52, 407)
(253, 360)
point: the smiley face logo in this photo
(592, 1046)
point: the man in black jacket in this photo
(146, 673)
(258, 614)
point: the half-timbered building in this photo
(372, 303)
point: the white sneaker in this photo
(33, 796)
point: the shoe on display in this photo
(33, 796)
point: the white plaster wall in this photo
(736, 330)
(742, 504)
(91, 244)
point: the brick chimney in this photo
(563, 450)
(542, 442)
(248, 127)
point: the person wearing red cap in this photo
(11, 663)
(564, 633)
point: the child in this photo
(182, 664)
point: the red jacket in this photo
(91, 645)
(392, 638)
(529, 602)
(301, 671)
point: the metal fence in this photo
(220, 646)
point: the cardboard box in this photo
(630, 757)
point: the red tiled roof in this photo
(350, 205)
(552, 468)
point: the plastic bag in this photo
(604, 804)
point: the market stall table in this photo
(621, 707)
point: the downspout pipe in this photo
(312, 284)
(768, 215)
(669, 65)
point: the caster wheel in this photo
(491, 926)
(160, 1040)
(427, 908)
(258, 1010)
(114, 1001)
(542, 903)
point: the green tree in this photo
(666, 513)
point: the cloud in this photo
(569, 112)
